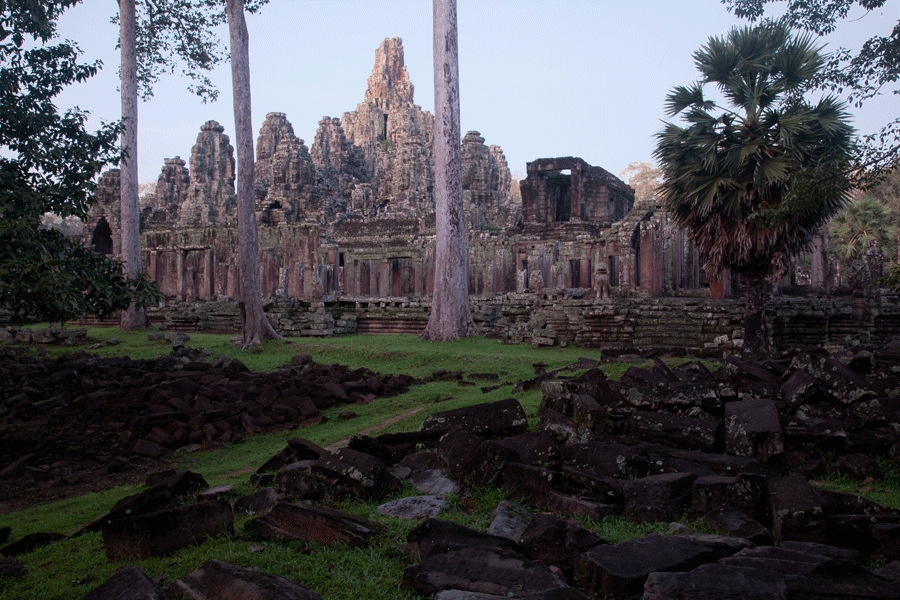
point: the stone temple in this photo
(353, 215)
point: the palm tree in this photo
(752, 178)
(862, 221)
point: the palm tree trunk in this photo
(254, 325)
(450, 318)
(129, 203)
(757, 293)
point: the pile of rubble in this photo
(83, 418)
(738, 447)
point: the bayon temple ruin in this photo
(353, 215)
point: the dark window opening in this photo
(384, 131)
(613, 271)
(560, 186)
(101, 240)
(341, 259)
(575, 273)
(636, 246)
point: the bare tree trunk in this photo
(450, 317)
(254, 324)
(757, 293)
(129, 203)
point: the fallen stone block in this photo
(555, 594)
(716, 582)
(412, 507)
(509, 520)
(561, 427)
(435, 481)
(164, 531)
(296, 450)
(796, 510)
(675, 431)
(658, 497)
(494, 419)
(556, 542)
(593, 485)
(609, 458)
(312, 524)
(184, 483)
(297, 480)
(732, 522)
(257, 502)
(533, 448)
(752, 428)
(608, 571)
(129, 583)
(841, 584)
(356, 473)
(743, 492)
(483, 570)
(436, 534)
(469, 457)
(783, 560)
(150, 500)
(216, 580)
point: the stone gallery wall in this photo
(691, 323)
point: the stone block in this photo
(658, 497)
(752, 428)
(556, 542)
(796, 510)
(743, 492)
(216, 580)
(716, 582)
(608, 571)
(257, 502)
(471, 458)
(312, 524)
(675, 431)
(732, 522)
(482, 570)
(297, 480)
(494, 419)
(509, 520)
(129, 583)
(436, 534)
(164, 531)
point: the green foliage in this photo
(860, 222)
(50, 165)
(181, 35)
(752, 180)
(863, 75)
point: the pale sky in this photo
(540, 78)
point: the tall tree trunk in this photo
(450, 317)
(254, 324)
(129, 203)
(757, 293)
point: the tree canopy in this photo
(862, 74)
(752, 179)
(49, 164)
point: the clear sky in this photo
(540, 78)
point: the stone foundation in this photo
(692, 323)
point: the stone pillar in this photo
(180, 283)
(209, 284)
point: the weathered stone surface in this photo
(556, 594)
(493, 419)
(150, 500)
(412, 507)
(783, 560)
(473, 459)
(297, 480)
(658, 497)
(729, 521)
(796, 510)
(716, 582)
(357, 472)
(484, 570)
(675, 431)
(533, 448)
(509, 520)
(164, 531)
(210, 197)
(313, 524)
(216, 580)
(609, 458)
(435, 534)
(257, 502)
(556, 542)
(486, 179)
(611, 570)
(743, 492)
(435, 481)
(184, 483)
(129, 583)
(753, 429)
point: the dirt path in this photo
(376, 427)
